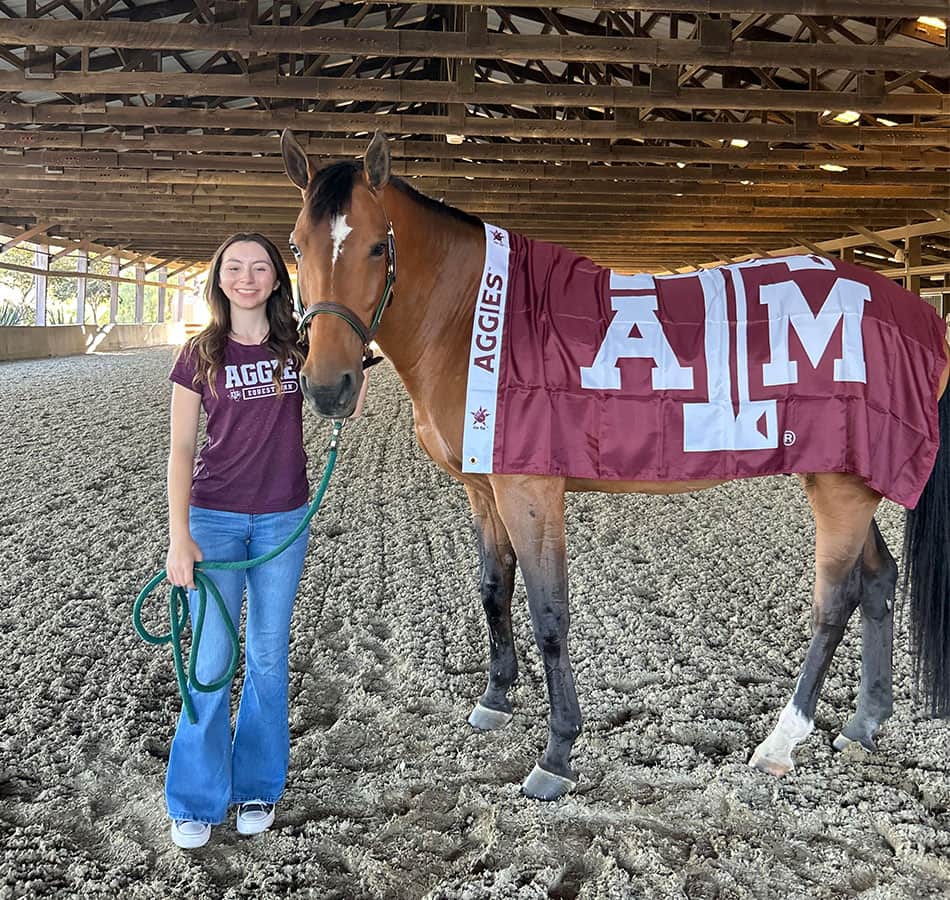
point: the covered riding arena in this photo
(136, 136)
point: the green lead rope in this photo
(178, 601)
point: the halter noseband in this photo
(336, 309)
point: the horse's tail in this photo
(927, 569)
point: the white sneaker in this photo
(189, 835)
(254, 817)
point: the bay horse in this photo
(354, 219)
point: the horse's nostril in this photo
(345, 390)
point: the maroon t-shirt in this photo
(253, 460)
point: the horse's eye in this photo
(378, 249)
(295, 250)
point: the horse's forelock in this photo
(331, 189)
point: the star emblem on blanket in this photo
(497, 236)
(480, 416)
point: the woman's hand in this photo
(180, 562)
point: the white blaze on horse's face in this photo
(339, 232)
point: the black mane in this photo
(329, 193)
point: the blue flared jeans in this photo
(208, 769)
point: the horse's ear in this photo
(295, 159)
(376, 162)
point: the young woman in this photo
(243, 496)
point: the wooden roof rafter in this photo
(458, 45)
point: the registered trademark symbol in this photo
(788, 438)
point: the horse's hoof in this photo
(842, 742)
(770, 766)
(544, 785)
(485, 719)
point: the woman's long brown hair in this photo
(207, 347)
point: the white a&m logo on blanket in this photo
(715, 425)
(728, 418)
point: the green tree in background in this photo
(18, 293)
(17, 288)
(98, 294)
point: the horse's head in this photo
(345, 269)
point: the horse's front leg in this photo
(532, 509)
(496, 585)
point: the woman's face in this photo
(247, 275)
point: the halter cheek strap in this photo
(366, 335)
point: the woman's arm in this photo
(183, 552)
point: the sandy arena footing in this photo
(690, 619)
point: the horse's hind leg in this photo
(875, 699)
(496, 585)
(843, 507)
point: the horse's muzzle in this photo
(336, 400)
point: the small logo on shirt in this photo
(255, 380)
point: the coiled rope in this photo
(178, 599)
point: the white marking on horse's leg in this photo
(774, 754)
(339, 231)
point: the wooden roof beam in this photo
(631, 199)
(418, 150)
(205, 167)
(814, 248)
(881, 242)
(889, 234)
(924, 194)
(848, 8)
(70, 248)
(87, 274)
(412, 91)
(62, 241)
(163, 263)
(459, 45)
(115, 250)
(27, 233)
(937, 269)
(178, 270)
(621, 126)
(125, 263)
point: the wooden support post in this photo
(162, 275)
(114, 290)
(139, 293)
(912, 258)
(41, 261)
(847, 254)
(180, 307)
(82, 266)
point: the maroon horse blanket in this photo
(791, 364)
